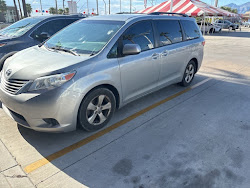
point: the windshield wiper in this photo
(65, 50)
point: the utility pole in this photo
(109, 7)
(63, 7)
(41, 7)
(20, 9)
(87, 7)
(97, 10)
(17, 14)
(105, 7)
(216, 3)
(171, 6)
(120, 5)
(24, 9)
(130, 6)
(56, 7)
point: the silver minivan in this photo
(83, 73)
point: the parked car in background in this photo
(29, 32)
(209, 28)
(225, 24)
(90, 68)
(246, 24)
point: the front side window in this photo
(86, 37)
(51, 27)
(21, 27)
(169, 31)
(142, 34)
(191, 29)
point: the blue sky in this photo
(115, 4)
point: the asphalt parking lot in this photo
(176, 137)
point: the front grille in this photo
(12, 86)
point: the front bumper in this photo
(31, 110)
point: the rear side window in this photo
(51, 27)
(169, 31)
(140, 33)
(191, 29)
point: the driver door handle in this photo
(155, 56)
(164, 54)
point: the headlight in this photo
(2, 44)
(50, 82)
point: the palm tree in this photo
(29, 9)
(52, 10)
(3, 7)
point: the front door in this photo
(139, 73)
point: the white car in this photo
(209, 28)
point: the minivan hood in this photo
(35, 62)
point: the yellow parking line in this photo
(46, 160)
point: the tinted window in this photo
(191, 29)
(142, 34)
(19, 28)
(51, 27)
(169, 31)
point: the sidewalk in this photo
(11, 174)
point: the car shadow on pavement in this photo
(165, 152)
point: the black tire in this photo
(93, 98)
(211, 31)
(184, 81)
(6, 56)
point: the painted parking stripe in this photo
(60, 153)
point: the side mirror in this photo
(43, 36)
(131, 49)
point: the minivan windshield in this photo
(21, 27)
(85, 36)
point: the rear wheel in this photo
(189, 74)
(96, 109)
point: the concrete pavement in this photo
(198, 139)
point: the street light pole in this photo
(130, 6)
(109, 7)
(171, 6)
(216, 3)
(41, 7)
(105, 7)
(97, 10)
(56, 7)
(120, 5)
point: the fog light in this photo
(51, 121)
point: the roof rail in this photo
(128, 13)
(171, 13)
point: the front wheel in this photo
(96, 109)
(189, 74)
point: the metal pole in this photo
(204, 29)
(109, 7)
(216, 3)
(87, 7)
(97, 10)
(56, 7)
(63, 7)
(120, 5)
(171, 6)
(17, 14)
(130, 6)
(105, 7)
(24, 9)
(41, 7)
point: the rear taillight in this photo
(203, 43)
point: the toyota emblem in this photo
(8, 72)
